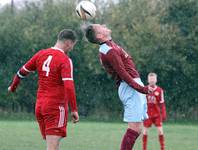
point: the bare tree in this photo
(12, 6)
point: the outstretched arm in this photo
(30, 66)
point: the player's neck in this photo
(105, 40)
(153, 85)
(60, 46)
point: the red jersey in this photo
(155, 102)
(55, 73)
(120, 65)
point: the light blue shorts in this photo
(134, 102)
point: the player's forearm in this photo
(15, 83)
(163, 110)
(128, 79)
(72, 102)
(138, 87)
(70, 95)
(17, 78)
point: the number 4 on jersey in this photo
(46, 65)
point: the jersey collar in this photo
(55, 48)
(105, 42)
(155, 87)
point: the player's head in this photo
(152, 78)
(67, 38)
(97, 33)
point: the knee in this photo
(135, 126)
(144, 131)
(52, 143)
(53, 146)
(160, 131)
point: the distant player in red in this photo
(55, 88)
(156, 111)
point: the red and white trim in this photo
(66, 79)
(26, 69)
(61, 117)
(71, 66)
(71, 72)
(20, 76)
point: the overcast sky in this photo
(3, 2)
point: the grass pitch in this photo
(24, 135)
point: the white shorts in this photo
(134, 102)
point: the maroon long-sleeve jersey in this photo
(119, 64)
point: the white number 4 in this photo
(46, 65)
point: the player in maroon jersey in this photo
(156, 111)
(131, 90)
(55, 88)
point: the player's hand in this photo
(11, 90)
(75, 117)
(150, 89)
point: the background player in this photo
(55, 88)
(156, 111)
(120, 65)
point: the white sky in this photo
(16, 2)
(3, 2)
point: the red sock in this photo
(161, 140)
(129, 139)
(144, 140)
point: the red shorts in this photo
(157, 121)
(52, 118)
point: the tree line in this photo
(161, 36)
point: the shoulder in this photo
(108, 50)
(66, 60)
(159, 88)
(42, 52)
(37, 54)
(105, 48)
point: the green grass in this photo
(24, 135)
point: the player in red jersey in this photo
(55, 88)
(119, 64)
(156, 111)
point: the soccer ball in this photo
(86, 10)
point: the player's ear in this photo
(68, 42)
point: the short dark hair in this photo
(91, 35)
(67, 34)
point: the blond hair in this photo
(152, 74)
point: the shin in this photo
(132, 133)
